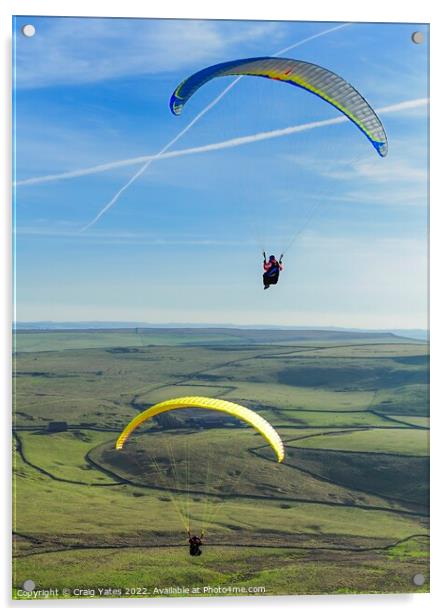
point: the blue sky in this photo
(183, 243)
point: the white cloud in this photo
(120, 237)
(400, 179)
(76, 51)
(390, 196)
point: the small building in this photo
(223, 421)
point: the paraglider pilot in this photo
(272, 269)
(195, 543)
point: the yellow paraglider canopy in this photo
(213, 404)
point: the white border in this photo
(325, 10)
(428, 11)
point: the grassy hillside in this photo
(346, 511)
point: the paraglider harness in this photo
(271, 275)
(195, 543)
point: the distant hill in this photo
(329, 333)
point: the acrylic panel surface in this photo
(158, 164)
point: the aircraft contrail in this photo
(220, 145)
(236, 142)
(192, 123)
(132, 161)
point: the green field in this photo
(346, 512)
(396, 440)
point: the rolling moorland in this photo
(346, 512)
